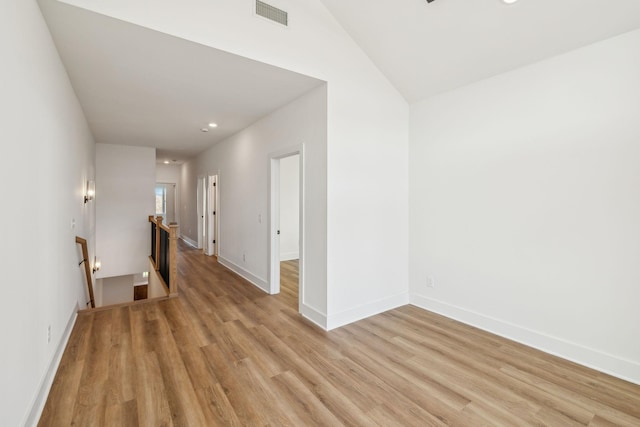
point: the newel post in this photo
(173, 256)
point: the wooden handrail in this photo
(172, 231)
(87, 268)
(158, 222)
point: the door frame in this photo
(274, 219)
(213, 205)
(201, 198)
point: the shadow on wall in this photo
(124, 289)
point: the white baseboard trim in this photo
(367, 310)
(189, 242)
(40, 399)
(613, 365)
(314, 316)
(288, 256)
(254, 280)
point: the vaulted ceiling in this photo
(142, 87)
(145, 88)
(428, 48)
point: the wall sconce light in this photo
(91, 191)
(96, 264)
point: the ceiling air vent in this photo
(271, 12)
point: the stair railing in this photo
(164, 252)
(87, 269)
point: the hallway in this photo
(224, 353)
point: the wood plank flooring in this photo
(226, 354)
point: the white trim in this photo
(613, 365)
(254, 280)
(211, 219)
(289, 256)
(274, 224)
(314, 315)
(201, 211)
(189, 242)
(208, 241)
(40, 399)
(367, 310)
(216, 220)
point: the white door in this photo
(201, 209)
(212, 216)
(274, 226)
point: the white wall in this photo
(168, 173)
(48, 156)
(125, 182)
(117, 290)
(188, 199)
(367, 138)
(524, 205)
(242, 165)
(170, 203)
(97, 292)
(289, 207)
(156, 289)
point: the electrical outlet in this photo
(431, 283)
(48, 334)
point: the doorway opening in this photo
(286, 225)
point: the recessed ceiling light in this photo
(213, 125)
(204, 130)
(509, 1)
(166, 162)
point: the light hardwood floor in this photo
(224, 353)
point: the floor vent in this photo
(271, 12)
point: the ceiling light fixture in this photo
(166, 162)
(509, 1)
(204, 130)
(213, 125)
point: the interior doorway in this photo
(286, 225)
